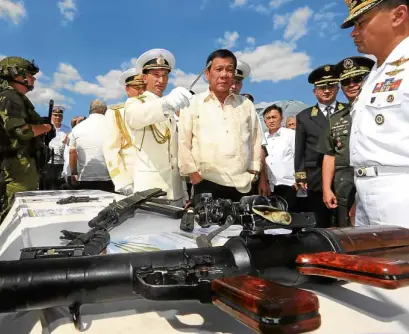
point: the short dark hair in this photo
(273, 107)
(222, 53)
(249, 96)
(391, 4)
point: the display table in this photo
(37, 220)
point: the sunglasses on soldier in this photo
(353, 80)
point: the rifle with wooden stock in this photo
(227, 276)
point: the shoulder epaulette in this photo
(117, 106)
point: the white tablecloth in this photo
(344, 307)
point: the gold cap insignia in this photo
(327, 68)
(160, 60)
(348, 64)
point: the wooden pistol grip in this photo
(388, 269)
(267, 307)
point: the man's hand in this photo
(178, 98)
(302, 185)
(330, 200)
(264, 188)
(195, 178)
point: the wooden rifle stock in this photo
(265, 306)
(374, 255)
(388, 269)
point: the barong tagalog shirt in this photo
(220, 142)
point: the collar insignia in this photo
(314, 111)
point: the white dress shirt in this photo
(323, 107)
(280, 159)
(87, 139)
(57, 144)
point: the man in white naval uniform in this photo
(151, 118)
(119, 146)
(379, 143)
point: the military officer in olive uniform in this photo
(19, 131)
(337, 174)
(311, 123)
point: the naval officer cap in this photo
(58, 110)
(242, 70)
(356, 9)
(131, 77)
(323, 76)
(156, 59)
(353, 67)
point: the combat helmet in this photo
(11, 67)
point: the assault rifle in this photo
(97, 238)
(48, 154)
(227, 276)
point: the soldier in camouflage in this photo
(20, 128)
(337, 174)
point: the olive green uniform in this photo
(18, 147)
(335, 142)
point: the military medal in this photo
(339, 143)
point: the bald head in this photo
(97, 107)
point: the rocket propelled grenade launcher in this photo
(225, 276)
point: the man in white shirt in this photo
(219, 135)
(86, 150)
(53, 176)
(379, 142)
(119, 145)
(151, 120)
(280, 158)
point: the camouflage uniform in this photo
(18, 146)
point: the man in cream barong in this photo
(219, 135)
(151, 120)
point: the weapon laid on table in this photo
(76, 199)
(204, 274)
(97, 238)
(62, 276)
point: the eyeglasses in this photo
(329, 87)
(353, 80)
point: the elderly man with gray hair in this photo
(86, 151)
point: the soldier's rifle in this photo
(227, 276)
(48, 154)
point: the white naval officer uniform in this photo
(119, 145)
(379, 143)
(156, 161)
